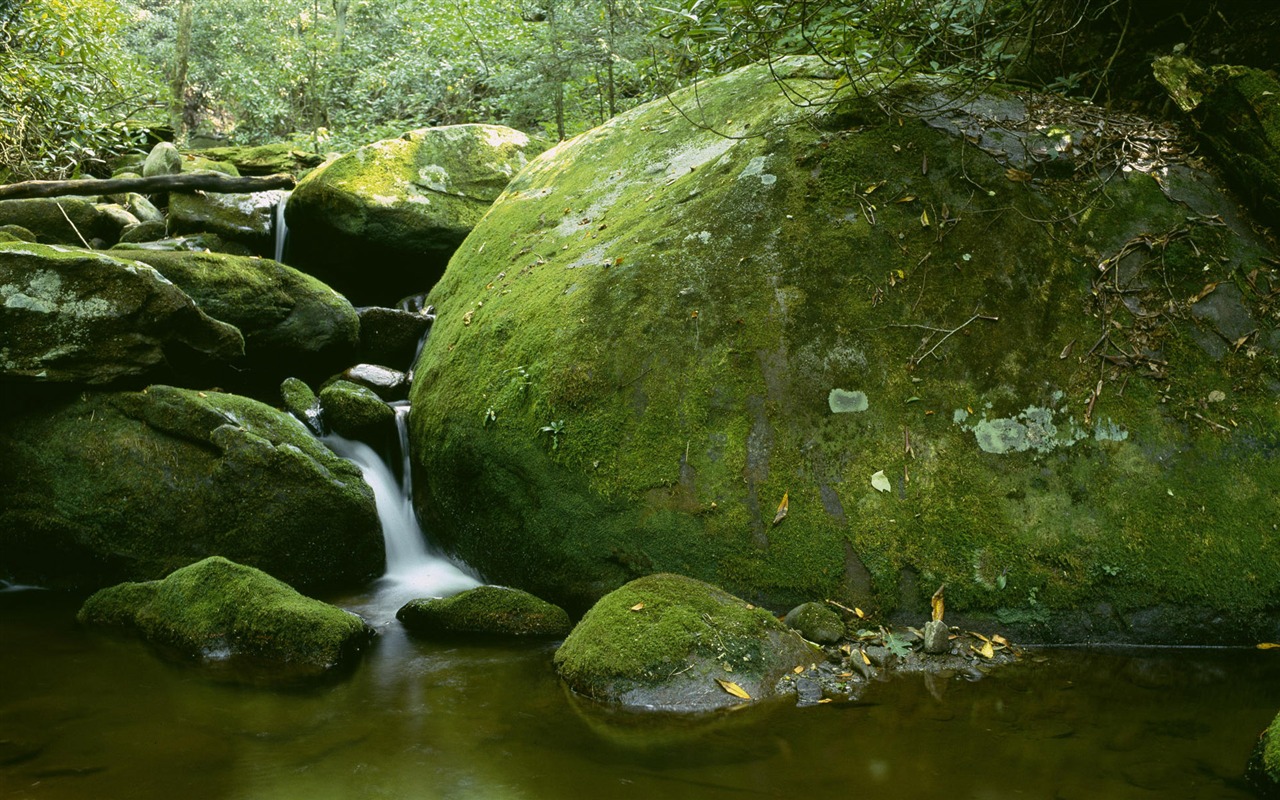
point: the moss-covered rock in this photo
(380, 222)
(636, 350)
(245, 218)
(218, 609)
(104, 487)
(301, 402)
(1263, 772)
(666, 642)
(265, 159)
(356, 412)
(390, 336)
(142, 232)
(816, 622)
(193, 243)
(85, 220)
(164, 159)
(292, 323)
(82, 316)
(18, 233)
(485, 610)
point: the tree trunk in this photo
(178, 77)
(187, 182)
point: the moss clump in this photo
(816, 622)
(662, 640)
(216, 608)
(489, 610)
(355, 411)
(301, 402)
(1263, 772)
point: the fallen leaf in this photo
(936, 604)
(1268, 646)
(847, 649)
(924, 219)
(858, 611)
(977, 635)
(1203, 293)
(998, 639)
(799, 669)
(880, 482)
(1017, 175)
(865, 659)
(1066, 351)
(987, 650)
(905, 199)
(637, 606)
(824, 700)
(733, 689)
(782, 510)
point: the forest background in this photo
(84, 80)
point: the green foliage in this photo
(65, 86)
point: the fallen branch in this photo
(185, 182)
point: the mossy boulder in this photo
(816, 622)
(72, 315)
(18, 233)
(1263, 771)
(164, 159)
(356, 412)
(381, 222)
(102, 487)
(264, 159)
(292, 323)
(219, 609)
(298, 399)
(245, 218)
(636, 349)
(666, 641)
(85, 220)
(390, 336)
(487, 611)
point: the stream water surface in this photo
(85, 714)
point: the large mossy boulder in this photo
(72, 221)
(292, 323)
(484, 611)
(672, 643)
(103, 487)
(219, 609)
(264, 159)
(841, 353)
(72, 315)
(1263, 771)
(245, 218)
(381, 222)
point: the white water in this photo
(282, 229)
(414, 568)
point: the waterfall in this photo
(414, 568)
(281, 227)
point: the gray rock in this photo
(245, 218)
(164, 159)
(936, 637)
(391, 336)
(389, 384)
(816, 622)
(142, 232)
(75, 315)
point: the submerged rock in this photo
(218, 609)
(103, 487)
(292, 323)
(673, 302)
(76, 315)
(382, 221)
(673, 643)
(485, 610)
(1263, 772)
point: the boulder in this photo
(816, 622)
(18, 233)
(194, 243)
(356, 412)
(164, 159)
(389, 384)
(633, 366)
(265, 159)
(1263, 771)
(487, 611)
(143, 232)
(671, 643)
(245, 218)
(390, 335)
(64, 220)
(102, 487)
(76, 315)
(292, 323)
(218, 609)
(381, 222)
(298, 399)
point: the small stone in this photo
(937, 637)
(816, 622)
(164, 159)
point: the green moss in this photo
(355, 411)
(217, 608)
(494, 610)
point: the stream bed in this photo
(88, 714)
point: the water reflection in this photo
(89, 715)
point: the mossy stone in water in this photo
(301, 402)
(662, 642)
(493, 610)
(217, 608)
(816, 622)
(1263, 772)
(355, 411)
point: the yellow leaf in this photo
(847, 649)
(924, 219)
(1017, 175)
(733, 689)
(858, 611)
(865, 660)
(637, 606)
(782, 510)
(979, 636)
(987, 650)
(937, 605)
(998, 639)
(1268, 646)
(798, 669)
(824, 700)
(905, 199)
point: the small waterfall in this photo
(281, 227)
(414, 568)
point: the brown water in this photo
(85, 715)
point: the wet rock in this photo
(100, 487)
(816, 622)
(18, 232)
(356, 412)
(666, 641)
(292, 323)
(937, 637)
(139, 206)
(389, 384)
(302, 403)
(391, 336)
(485, 610)
(164, 159)
(1263, 771)
(382, 221)
(245, 218)
(194, 243)
(75, 315)
(218, 609)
